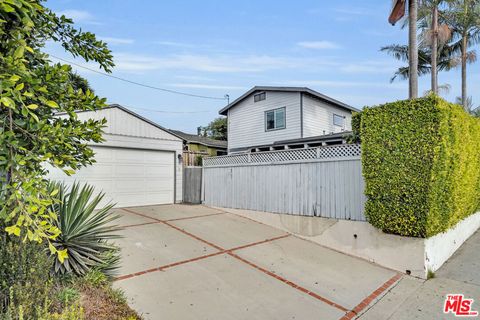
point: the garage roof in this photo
(134, 114)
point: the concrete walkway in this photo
(194, 262)
(415, 299)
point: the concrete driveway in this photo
(194, 262)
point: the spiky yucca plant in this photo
(85, 232)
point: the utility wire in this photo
(138, 83)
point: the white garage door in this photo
(129, 177)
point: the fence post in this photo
(318, 153)
(249, 157)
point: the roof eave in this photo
(224, 110)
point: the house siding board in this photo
(123, 123)
(318, 117)
(246, 121)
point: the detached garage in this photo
(137, 165)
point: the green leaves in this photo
(18, 53)
(85, 231)
(7, 102)
(421, 164)
(52, 104)
(32, 91)
(13, 230)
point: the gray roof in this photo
(306, 90)
(193, 138)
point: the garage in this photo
(137, 165)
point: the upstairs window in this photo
(338, 120)
(259, 96)
(275, 119)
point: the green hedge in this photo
(421, 163)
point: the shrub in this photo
(85, 232)
(421, 163)
(24, 284)
(68, 295)
(95, 279)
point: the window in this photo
(259, 96)
(275, 119)
(338, 120)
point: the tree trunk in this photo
(464, 72)
(413, 49)
(434, 72)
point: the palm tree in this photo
(412, 48)
(464, 18)
(474, 111)
(446, 59)
(434, 35)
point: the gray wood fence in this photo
(330, 188)
(192, 185)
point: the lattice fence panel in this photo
(342, 150)
(225, 160)
(284, 155)
(337, 151)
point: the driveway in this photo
(195, 262)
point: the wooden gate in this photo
(192, 185)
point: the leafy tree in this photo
(217, 129)
(79, 82)
(32, 135)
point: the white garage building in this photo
(138, 164)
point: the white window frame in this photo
(284, 109)
(341, 117)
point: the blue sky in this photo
(215, 47)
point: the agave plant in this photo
(85, 231)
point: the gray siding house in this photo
(274, 118)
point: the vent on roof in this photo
(259, 96)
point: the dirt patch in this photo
(105, 303)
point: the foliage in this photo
(24, 284)
(421, 163)
(356, 122)
(32, 92)
(217, 129)
(95, 279)
(198, 161)
(447, 59)
(102, 302)
(85, 232)
(67, 295)
(79, 83)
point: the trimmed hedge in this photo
(421, 163)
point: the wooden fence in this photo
(193, 158)
(322, 182)
(192, 185)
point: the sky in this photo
(217, 47)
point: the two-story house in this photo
(275, 118)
